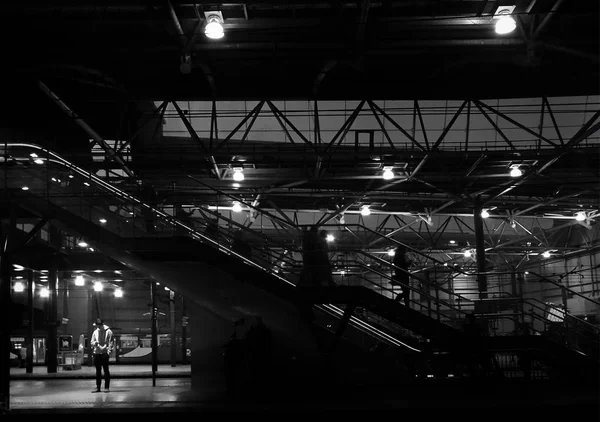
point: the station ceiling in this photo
(107, 62)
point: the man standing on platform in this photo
(102, 344)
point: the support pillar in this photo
(184, 322)
(52, 349)
(31, 325)
(5, 307)
(154, 340)
(173, 330)
(480, 251)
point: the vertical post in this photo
(31, 326)
(173, 330)
(91, 315)
(52, 350)
(5, 309)
(566, 317)
(480, 251)
(183, 332)
(154, 318)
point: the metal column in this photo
(480, 250)
(31, 325)
(5, 317)
(52, 354)
(173, 330)
(154, 320)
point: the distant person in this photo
(240, 245)
(102, 344)
(316, 268)
(186, 218)
(150, 197)
(324, 272)
(401, 275)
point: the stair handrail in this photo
(51, 156)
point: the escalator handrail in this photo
(87, 175)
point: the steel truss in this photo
(332, 171)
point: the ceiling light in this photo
(330, 238)
(515, 171)
(546, 254)
(467, 253)
(82, 244)
(505, 25)
(236, 207)
(98, 286)
(364, 211)
(18, 286)
(388, 174)
(25, 188)
(103, 220)
(485, 214)
(214, 26)
(118, 292)
(18, 267)
(38, 161)
(79, 280)
(391, 252)
(580, 216)
(33, 155)
(44, 292)
(238, 174)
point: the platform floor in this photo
(135, 391)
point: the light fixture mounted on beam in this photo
(505, 23)
(238, 174)
(388, 173)
(214, 25)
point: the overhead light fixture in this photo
(238, 174)
(330, 238)
(485, 214)
(18, 286)
(546, 254)
(119, 292)
(25, 188)
(580, 216)
(82, 243)
(505, 23)
(391, 252)
(98, 286)
(44, 292)
(515, 171)
(214, 25)
(364, 211)
(236, 207)
(388, 174)
(468, 253)
(79, 280)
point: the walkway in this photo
(135, 391)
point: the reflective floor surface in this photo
(134, 391)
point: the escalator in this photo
(220, 280)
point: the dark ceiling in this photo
(337, 49)
(102, 59)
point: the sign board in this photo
(65, 343)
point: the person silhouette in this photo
(401, 275)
